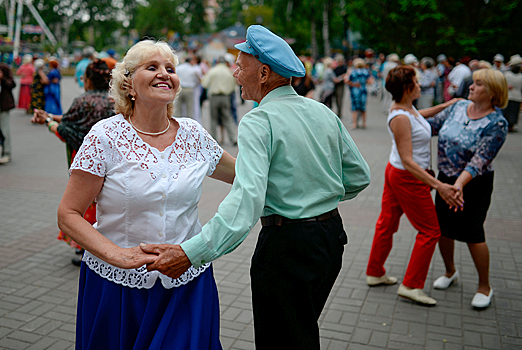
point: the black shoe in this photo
(79, 251)
(77, 261)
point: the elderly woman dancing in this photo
(407, 189)
(471, 134)
(145, 169)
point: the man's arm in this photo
(356, 172)
(236, 215)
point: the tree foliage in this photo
(479, 28)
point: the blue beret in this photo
(270, 49)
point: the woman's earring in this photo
(133, 98)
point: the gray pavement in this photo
(38, 283)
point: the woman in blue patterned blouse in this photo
(471, 132)
(357, 82)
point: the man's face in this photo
(247, 75)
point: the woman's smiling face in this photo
(155, 81)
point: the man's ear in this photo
(264, 73)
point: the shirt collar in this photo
(277, 92)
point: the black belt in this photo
(279, 220)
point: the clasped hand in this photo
(452, 195)
(170, 259)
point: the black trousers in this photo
(294, 268)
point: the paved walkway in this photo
(38, 283)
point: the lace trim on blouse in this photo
(192, 144)
(140, 277)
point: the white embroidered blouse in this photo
(147, 196)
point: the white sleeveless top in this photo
(420, 139)
(147, 196)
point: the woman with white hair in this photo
(26, 71)
(37, 87)
(145, 169)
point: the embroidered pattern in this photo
(192, 144)
(140, 277)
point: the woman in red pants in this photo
(407, 188)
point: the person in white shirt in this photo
(145, 169)
(189, 78)
(458, 74)
(514, 80)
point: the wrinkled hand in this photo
(132, 258)
(452, 195)
(171, 259)
(39, 116)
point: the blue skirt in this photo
(115, 317)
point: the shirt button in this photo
(160, 234)
(160, 213)
(163, 195)
(164, 175)
(162, 156)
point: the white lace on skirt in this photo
(140, 277)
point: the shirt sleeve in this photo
(355, 170)
(66, 130)
(488, 146)
(91, 156)
(438, 120)
(243, 206)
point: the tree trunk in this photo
(313, 40)
(326, 31)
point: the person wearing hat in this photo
(514, 80)
(296, 161)
(498, 62)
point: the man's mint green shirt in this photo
(295, 159)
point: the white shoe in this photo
(482, 301)
(416, 294)
(5, 159)
(444, 282)
(375, 281)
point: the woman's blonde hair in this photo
(495, 83)
(123, 72)
(359, 63)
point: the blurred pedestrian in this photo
(471, 133)
(88, 53)
(329, 79)
(85, 111)
(458, 75)
(407, 187)
(220, 84)
(428, 83)
(340, 71)
(7, 84)
(357, 81)
(189, 79)
(26, 71)
(40, 80)
(392, 61)
(463, 90)
(53, 103)
(514, 81)
(498, 62)
(304, 86)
